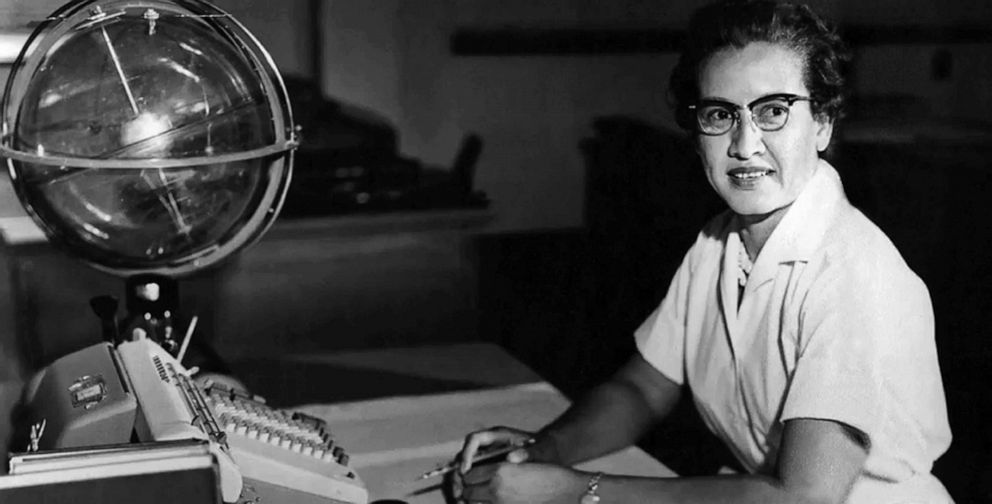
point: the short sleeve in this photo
(837, 375)
(661, 338)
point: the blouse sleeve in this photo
(661, 338)
(867, 359)
(837, 372)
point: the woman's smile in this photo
(748, 178)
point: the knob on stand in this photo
(152, 304)
(151, 301)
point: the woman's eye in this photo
(772, 110)
(719, 114)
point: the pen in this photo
(479, 457)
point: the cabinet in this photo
(392, 279)
(315, 284)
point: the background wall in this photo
(392, 58)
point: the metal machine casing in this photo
(82, 399)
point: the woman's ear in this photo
(824, 131)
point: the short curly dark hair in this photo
(736, 23)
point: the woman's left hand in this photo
(526, 483)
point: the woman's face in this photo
(760, 172)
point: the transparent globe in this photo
(147, 136)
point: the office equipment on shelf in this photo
(104, 396)
(349, 161)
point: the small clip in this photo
(37, 430)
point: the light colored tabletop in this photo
(392, 441)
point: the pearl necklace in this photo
(744, 265)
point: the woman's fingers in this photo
(473, 442)
(478, 476)
(472, 483)
(476, 440)
(518, 456)
(476, 484)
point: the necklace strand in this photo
(744, 265)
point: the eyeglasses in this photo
(768, 113)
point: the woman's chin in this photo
(750, 209)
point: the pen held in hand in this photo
(479, 457)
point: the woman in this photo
(805, 340)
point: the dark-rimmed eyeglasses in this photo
(768, 113)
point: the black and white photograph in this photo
(495, 251)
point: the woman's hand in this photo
(495, 437)
(542, 450)
(522, 483)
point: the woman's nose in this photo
(746, 139)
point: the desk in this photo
(393, 440)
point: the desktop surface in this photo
(392, 441)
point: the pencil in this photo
(479, 457)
